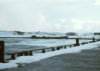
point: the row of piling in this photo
(30, 53)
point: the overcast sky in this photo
(50, 15)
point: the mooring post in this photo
(2, 51)
(53, 49)
(26, 53)
(58, 48)
(18, 54)
(77, 42)
(43, 50)
(13, 56)
(93, 39)
(70, 46)
(21, 54)
(30, 53)
(65, 47)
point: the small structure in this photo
(71, 34)
(97, 33)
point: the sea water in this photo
(25, 44)
(16, 45)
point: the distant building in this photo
(96, 33)
(71, 34)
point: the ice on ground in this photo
(7, 65)
(39, 56)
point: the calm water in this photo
(22, 44)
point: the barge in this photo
(44, 37)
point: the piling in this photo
(77, 42)
(2, 51)
(18, 54)
(93, 39)
(58, 48)
(70, 46)
(26, 53)
(13, 56)
(30, 53)
(43, 51)
(64, 47)
(53, 49)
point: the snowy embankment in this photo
(39, 56)
(29, 34)
(84, 35)
(41, 34)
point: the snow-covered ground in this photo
(29, 34)
(11, 43)
(50, 34)
(39, 56)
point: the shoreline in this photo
(86, 60)
(49, 38)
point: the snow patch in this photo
(39, 56)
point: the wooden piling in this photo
(77, 42)
(43, 50)
(2, 51)
(58, 48)
(64, 47)
(53, 49)
(70, 46)
(30, 53)
(18, 54)
(21, 54)
(26, 53)
(93, 39)
(13, 56)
